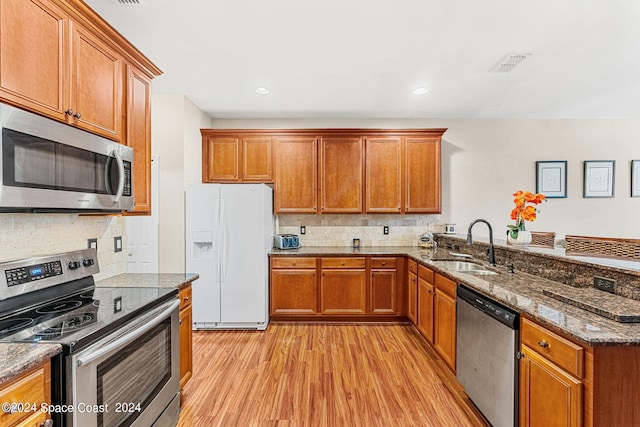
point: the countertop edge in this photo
(18, 358)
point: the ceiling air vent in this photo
(131, 2)
(509, 62)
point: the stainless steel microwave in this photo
(49, 166)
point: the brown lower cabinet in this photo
(343, 286)
(412, 291)
(426, 296)
(327, 288)
(186, 320)
(30, 388)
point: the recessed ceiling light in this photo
(420, 91)
(261, 90)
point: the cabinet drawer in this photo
(447, 286)
(425, 273)
(562, 352)
(31, 388)
(412, 266)
(293, 262)
(383, 263)
(345, 262)
(185, 297)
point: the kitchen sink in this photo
(466, 267)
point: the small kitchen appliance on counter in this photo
(426, 241)
(286, 241)
(111, 338)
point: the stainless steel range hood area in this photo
(47, 166)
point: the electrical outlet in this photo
(92, 244)
(303, 229)
(604, 284)
(385, 230)
(117, 244)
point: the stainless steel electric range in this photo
(119, 364)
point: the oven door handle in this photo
(156, 317)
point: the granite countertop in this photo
(148, 280)
(18, 358)
(543, 300)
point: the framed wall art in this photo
(599, 178)
(635, 178)
(551, 178)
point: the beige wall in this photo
(485, 161)
(176, 140)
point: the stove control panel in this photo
(18, 276)
(22, 276)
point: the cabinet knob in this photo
(47, 423)
(77, 115)
(543, 344)
(294, 263)
(384, 263)
(69, 112)
(343, 263)
(187, 298)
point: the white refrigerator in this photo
(229, 232)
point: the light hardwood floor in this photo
(318, 375)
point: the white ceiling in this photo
(362, 58)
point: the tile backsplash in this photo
(26, 235)
(340, 230)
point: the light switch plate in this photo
(117, 244)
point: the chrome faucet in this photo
(491, 254)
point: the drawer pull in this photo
(543, 344)
(187, 298)
(343, 263)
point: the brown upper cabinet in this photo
(57, 67)
(332, 170)
(236, 158)
(296, 186)
(341, 175)
(139, 137)
(62, 60)
(422, 177)
(383, 191)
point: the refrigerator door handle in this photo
(223, 247)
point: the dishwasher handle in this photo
(490, 307)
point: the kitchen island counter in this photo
(16, 359)
(526, 293)
(148, 280)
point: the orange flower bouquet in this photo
(524, 210)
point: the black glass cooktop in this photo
(80, 318)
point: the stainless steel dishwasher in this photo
(487, 367)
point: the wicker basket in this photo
(604, 247)
(544, 239)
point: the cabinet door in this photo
(257, 160)
(220, 159)
(382, 291)
(296, 175)
(341, 175)
(139, 137)
(96, 85)
(33, 47)
(444, 326)
(422, 175)
(293, 292)
(425, 309)
(383, 175)
(343, 292)
(186, 351)
(549, 396)
(412, 310)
